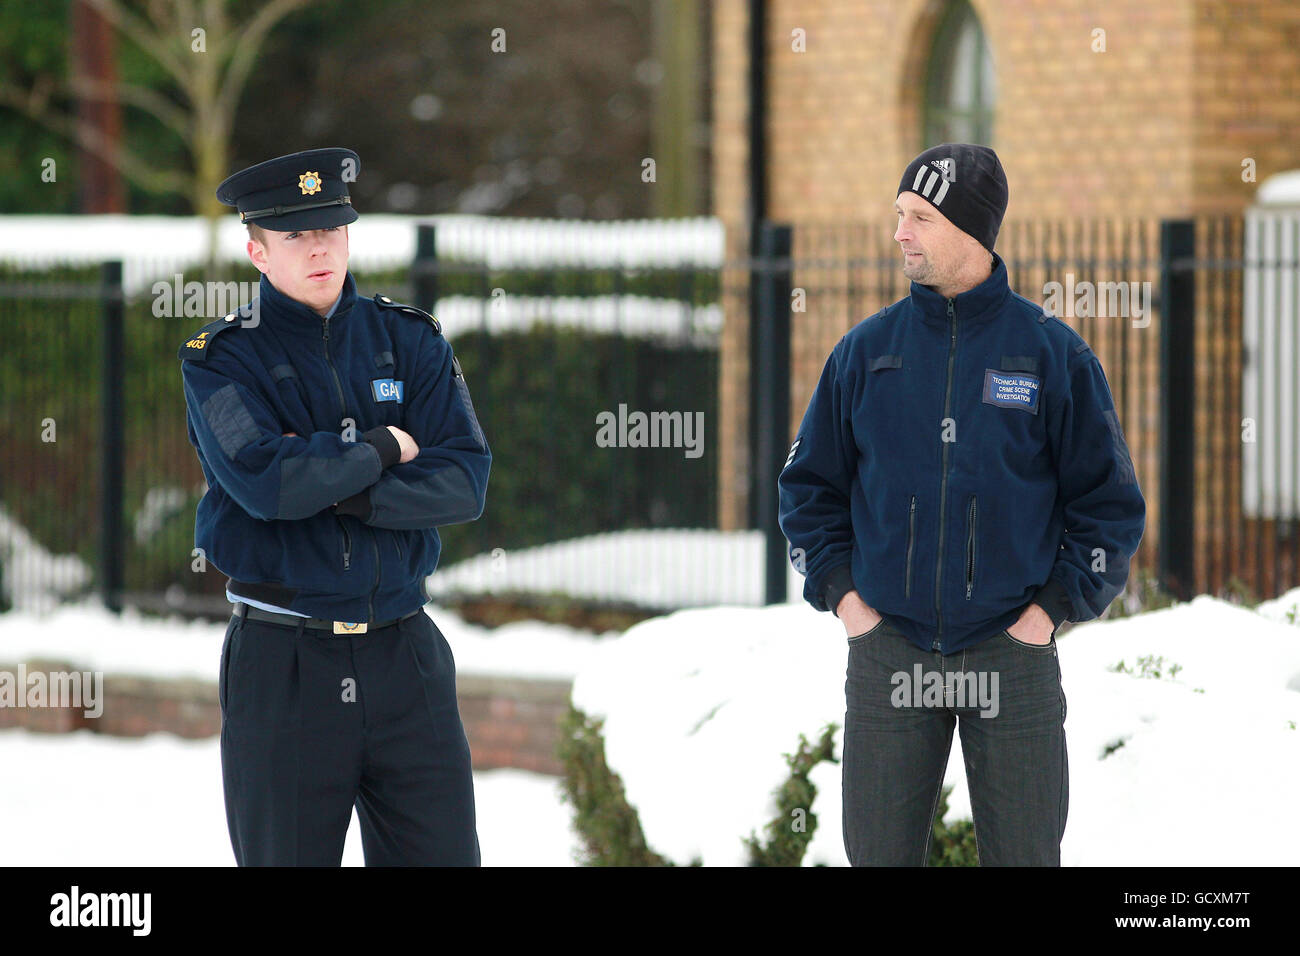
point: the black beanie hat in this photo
(966, 183)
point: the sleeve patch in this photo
(463, 390)
(227, 416)
(1123, 462)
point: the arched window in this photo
(960, 87)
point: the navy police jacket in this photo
(325, 521)
(961, 458)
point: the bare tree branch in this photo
(246, 44)
(151, 41)
(91, 140)
(151, 101)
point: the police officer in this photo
(336, 434)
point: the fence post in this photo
(1176, 564)
(424, 270)
(112, 549)
(771, 323)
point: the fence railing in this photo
(1187, 318)
(1161, 304)
(99, 484)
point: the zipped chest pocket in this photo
(971, 515)
(911, 544)
(345, 544)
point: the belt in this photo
(246, 611)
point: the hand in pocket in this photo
(857, 617)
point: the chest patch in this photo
(386, 390)
(1012, 390)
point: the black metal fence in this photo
(1173, 311)
(99, 484)
(1196, 325)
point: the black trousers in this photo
(314, 723)
(1006, 700)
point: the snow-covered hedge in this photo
(1190, 769)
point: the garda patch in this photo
(1012, 390)
(386, 390)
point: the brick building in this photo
(1109, 117)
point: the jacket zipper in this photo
(374, 542)
(943, 485)
(970, 547)
(343, 413)
(911, 540)
(338, 385)
(347, 545)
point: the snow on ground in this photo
(665, 568)
(92, 638)
(1284, 609)
(91, 800)
(82, 799)
(701, 704)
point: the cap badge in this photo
(309, 183)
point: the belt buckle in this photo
(343, 627)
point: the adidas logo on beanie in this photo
(966, 183)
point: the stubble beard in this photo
(919, 271)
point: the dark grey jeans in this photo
(902, 705)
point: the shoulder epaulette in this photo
(384, 302)
(195, 347)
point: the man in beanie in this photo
(336, 434)
(959, 487)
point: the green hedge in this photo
(611, 833)
(537, 395)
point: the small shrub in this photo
(611, 833)
(952, 845)
(1239, 592)
(1148, 666)
(792, 829)
(607, 824)
(1144, 594)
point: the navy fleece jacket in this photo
(960, 459)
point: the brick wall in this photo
(510, 722)
(1155, 127)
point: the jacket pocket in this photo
(911, 542)
(971, 514)
(345, 544)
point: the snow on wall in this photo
(157, 246)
